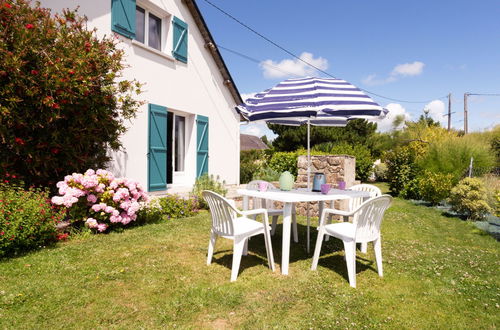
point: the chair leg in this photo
(269, 248)
(364, 247)
(273, 225)
(330, 217)
(294, 228)
(317, 250)
(239, 244)
(245, 247)
(350, 258)
(211, 246)
(377, 244)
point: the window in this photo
(179, 138)
(148, 28)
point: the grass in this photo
(439, 272)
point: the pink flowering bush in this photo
(99, 200)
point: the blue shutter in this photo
(180, 49)
(123, 17)
(157, 149)
(201, 145)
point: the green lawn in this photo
(439, 272)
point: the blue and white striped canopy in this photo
(323, 101)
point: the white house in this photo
(188, 125)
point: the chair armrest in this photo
(339, 212)
(254, 211)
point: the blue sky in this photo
(407, 50)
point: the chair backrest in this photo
(222, 211)
(259, 202)
(374, 191)
(368, 218)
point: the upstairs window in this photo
(148, 29)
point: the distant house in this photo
(188, 125)
(251, 142)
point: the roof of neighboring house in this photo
(249, 142)
(212, 48)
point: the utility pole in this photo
(449, 112)
(466, 126)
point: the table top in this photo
(303, 195)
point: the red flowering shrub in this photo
(27, 219)
(61, 105)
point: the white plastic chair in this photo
(231, 223)
(364, 228)
(271, 211)
(354, 203)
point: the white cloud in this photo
(257, 129)
(401, 70)
(293, 67)
(395, 110)
(408, 69)
(436, 109)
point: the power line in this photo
(305, 62)
(483, 94)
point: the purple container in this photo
(325, 188)
(342, 185)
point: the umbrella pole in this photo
(308, 179)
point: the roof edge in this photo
(212, 48)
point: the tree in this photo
(63, 101)
(290, 138)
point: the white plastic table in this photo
(296, 196)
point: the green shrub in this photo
(174, 206)
(380, 171)
(364, 160)
(64, 101)
(411, 190)
(27, 219)
(207, 182)
(401, 168)
(435, 187)
(468, 197)
(266, 174)
(251, 161)
(284, 161)
(453, 155)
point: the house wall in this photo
(188, 89)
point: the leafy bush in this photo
(174, 206)
(27, 219)
(63, 99)
(250, 162)
(469, 197)
(401, 167)
(380, 171)
(364, 160)
(453, 155)
(100, 200)
(266, 174)
(207, 182)
(284, 161)
(411, 190)
(435, 187)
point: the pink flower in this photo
(109, 209)
(29, 26)
(91, 223)
(96, 207)
(102, 227)
(92, 198)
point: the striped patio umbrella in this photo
(325, 101)
(311, 101)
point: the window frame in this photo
(165, 18)
(174, 143)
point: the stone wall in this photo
(335, 168)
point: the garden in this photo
(81, 247)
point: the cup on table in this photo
(325, 188)
(341, 185)
(262, 186)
